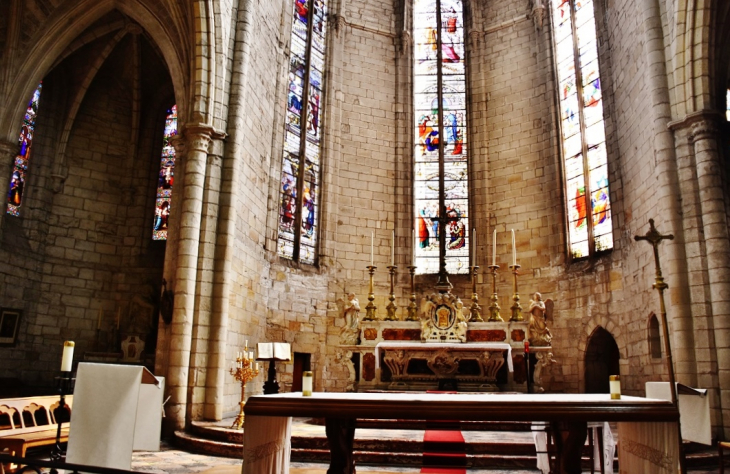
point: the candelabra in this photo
(412, 308)
(391, 308)
(476, 310)
(244, 373)
(494, 307)
(516, 308)
(370, 308)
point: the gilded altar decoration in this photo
(443, 318)
(538, 333)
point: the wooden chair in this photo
(721, 446)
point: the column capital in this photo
(701, 125)
(197, 137)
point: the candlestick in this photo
(516, 308)
(494, 307)
(370, 308)
(412, 308)
(244, 373)
(391, 308)
(67, 358)
(494, 248)
(514, 249)
(475, 310)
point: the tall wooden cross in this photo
(655, 238)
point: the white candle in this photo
(372, 244)
(392, 248)
(494, 248)
(474, 247)
(246, 348)
(514, 249)
(307, 383)
(257, 366)
(67, 359)
(413, 242)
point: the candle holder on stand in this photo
(475, 310)
(65, 386)
(412, 308)
(370, 308)
(391, 308)
(494, 307)
(516, 308)
(244, 373)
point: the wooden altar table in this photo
(647, 427)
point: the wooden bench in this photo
(31, 422)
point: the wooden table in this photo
(647, 427)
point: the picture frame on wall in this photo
(9, 324)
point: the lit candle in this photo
(372, 244)
(246, 348)
(257, 366)
(494, 248)
(392, 248)
(98, 320)
(514, 249)
(67, 359)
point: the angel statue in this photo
(539, 334)
(350, 332)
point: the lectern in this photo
(272, 352)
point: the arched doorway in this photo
(602, 357)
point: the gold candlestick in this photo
(244, 373)
(412, 308)
(391, 308)
(494, 307)
(370, 308)
(516, 308)
(476, 310)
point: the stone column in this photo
(197, 138)
(8, 151)
(704, 136)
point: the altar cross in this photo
(655, 238)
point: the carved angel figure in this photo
(539, 334)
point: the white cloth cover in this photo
(539, 435)
(609, 447)
(104, 415)
(648, 448)
(148, 426)
(266, 445)
(273, 350)
(694, 410)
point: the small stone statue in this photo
(350, 333)
(539, 335)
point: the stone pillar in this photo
(197, 138)
(8, 151)
(704, 136)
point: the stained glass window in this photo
(20, 168)
(440, 152)
(166, 178)
(299, 188)
(727, 105)
(582, 128)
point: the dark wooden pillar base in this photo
(570, 437)
(340, 437)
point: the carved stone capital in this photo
(338, 22)
(704, 129)
(538, 13)
(197, 137)
(700, 125)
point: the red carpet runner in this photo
(444, 450)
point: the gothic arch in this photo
(63, 27)
(601, 360)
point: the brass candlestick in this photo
(412, 308)
(516, 308)
(370, 308)
(475, 310)
(244, 373)
(391, 308)
(494, 307)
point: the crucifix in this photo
(655, 238)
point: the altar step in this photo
(499, 445)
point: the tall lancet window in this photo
(582, 128)
(166, 178)
(20, 168)
(440, 156)
(299, 191)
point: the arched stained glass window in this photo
(166, 178)
(440, 156)
(17, 179)
(583, 135)
(727, 105)
(299, 190)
